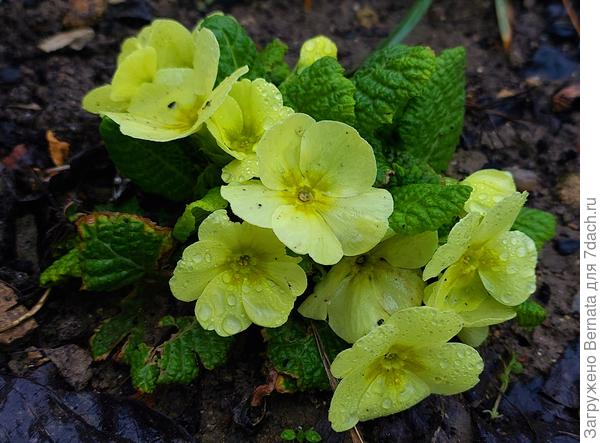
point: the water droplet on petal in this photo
(207, 257)
(387, 403)
(231, 300)
(204, 312)
(232, 325)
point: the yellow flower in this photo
(361, 292)
(399, 364)
(489, 186)
(315, 190)
(251, 108)
(163, 87)
(313, 49)
(239, 274)
(487, 269)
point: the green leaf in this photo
(292, 350)
(312, 436)
(530, 314)
(159, 168)
(408, 170)
(237, 48)
(321, 91)
(178, 361)
(130, 206)
(288, 435)
(538, 225)
(431, 124)
(387, 80)
(118, 249)
(63, 268)
(426, 207)
(270, 63)
(196, 212)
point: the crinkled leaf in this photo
(321, 91)
(179, 355)
(196, 212)
(426, 207)
(538, 225)
(237, 48)
(63, 268)
(387, 80)
(118, 249)
(159, 168)
(270, 63)
(408, 170)
(431, 124)
(530, 314)
(293, 351)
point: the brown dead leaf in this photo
(58, 149)
(505, 93)
(11, 161)
(9, 312)
(564, 99)
(367, 17)
(75, 39)
(568, 190)
(84, 12)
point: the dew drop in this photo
(231, 300)
(443, 364)
(387, 403)
(231, 325)
(207, 257)
(226, 277)
(204, 312)
(521, 252)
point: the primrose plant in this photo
(308, 188)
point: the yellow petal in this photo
(344, 408)
(206, 60)
(279, 152)
(220, 307)
(408, 251)
(489, 186)
(199, 264)
(239, 171)
(226, 124)
(448, 369)
(253, 202)
(336, 160)
(489, 312)
(474, 336)
(499, 218)
(305, 232)
(137, 69)
(359, 222)
(313, 49)
(98, 101)
(458, 241)
(508, 272)
(384, 398)
(173, 43)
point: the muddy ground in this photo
(515, 120)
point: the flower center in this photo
(244, 260)
(304, 195)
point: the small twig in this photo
(28, 314)
(572, 15)
(354, 432)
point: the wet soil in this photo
(514, 121)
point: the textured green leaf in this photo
(530, 314)
(321, 91)
(387, 80)
(63, 268)
(130, 206)
(196, 212)
(538, 225)
(312, 436)
(138, 355)
(270, 63)
(179, 355)
(431, 124)
(117, 249)
(292, 350)
(237, 48)
(159, 168)
(426, 207)
(408, 170)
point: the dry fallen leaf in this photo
(9, 312)
(11, 161)
(84, 12)
(568, 190)
(58, 149)
(367, 17)
(75, 39)
(564, 99)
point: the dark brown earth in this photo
(511, 123)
